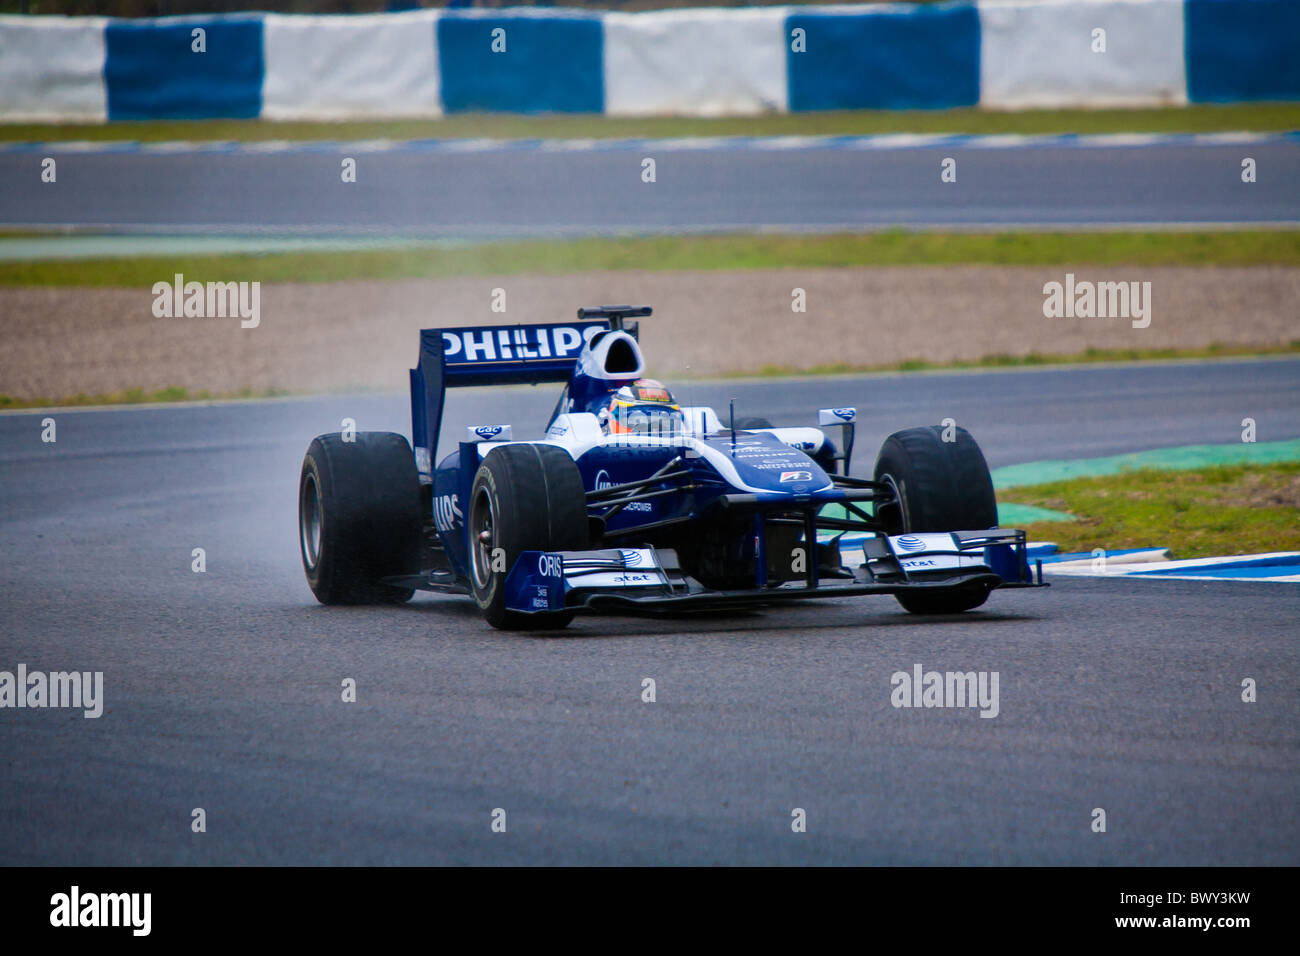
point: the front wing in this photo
(652, 579)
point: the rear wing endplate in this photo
(488, 355)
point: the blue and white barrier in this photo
(696, 62)
(1243, 50)
(997, 54)
(52, 68)
(1043, 55)
(892, 57)
(521, 61)
(335, 68)
(153, 71)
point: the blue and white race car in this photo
(630, 500)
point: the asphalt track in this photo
(485, 189)
(223, 688)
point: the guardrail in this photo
(998, 54)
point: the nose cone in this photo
(765, 462)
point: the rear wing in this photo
(488, 355)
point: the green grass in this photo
(1223, 510)
(136, 396)
(673, 253)
(1186, 119)
(1089, 356)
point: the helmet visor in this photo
(652, 420)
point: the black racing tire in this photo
(752, 422)
(359, 517)
(524, 498)
(941, 486)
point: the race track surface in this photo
(223, 688)
(485, 189)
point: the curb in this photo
(879, 141)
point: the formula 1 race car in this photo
(631, 500)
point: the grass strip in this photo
(677, 253)
(1198, 513)
(1197, 118)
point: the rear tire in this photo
(359, 518)
(941, 486)
(524, 498)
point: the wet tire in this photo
(359, 517)
(941, 486)
(524, 498)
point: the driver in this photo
(645, 407)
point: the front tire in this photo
(940, 486)
(524, 498)
(359, 517)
